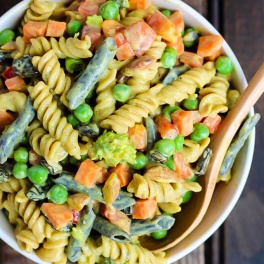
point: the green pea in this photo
(21, 155)
(224, 65)
(38, 174)
(159, 234)
(168, 58)
(170, 163)
(74, 65)
(141, 161)
(190, 103)
(109, 10)
(193, 179)
(83, 113)
(179, 141)
(121, 92)
(73, 120)
(166, 12)
(20, 170)
(190, 37)
(200, 132)
(168, 110)
(165, 146)
(186, 197)
(73, 27)
(6, 36)
(58, 194)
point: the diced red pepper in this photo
(8, 73)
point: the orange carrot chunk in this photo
(139, 4)
(209, 45)
(88, 173)
(34, 29)
(177, 21)
(58, 214)
(123, 173)
(178, 46)
(191, 59)
(138, 136)
(55, 28)
(124, 52)
(165, 127)
(144, 208)
(16, 83)
(6, 119)
(212, 122)
(182, 168)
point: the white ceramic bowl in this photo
(225, 196)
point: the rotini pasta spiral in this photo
(171, 207)
(13, 101)
(14, 185)
(53, 248)
(133, 112)
(64, 48)
(52, 120)
(22, 48)
(214, 97)
(157, 48)
(186, 84)
(128, 253)
(27, 240)
(53, 75)
(45, 145)
(105, 101)
(73, 15)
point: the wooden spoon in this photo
(193, 212)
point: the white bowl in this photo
(225, 196)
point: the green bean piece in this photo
(109, 10)
(121, 92)
(200, 132)
(186, 197)
(58, 194)
(21, 155)
(174, 73)
(20, 170)
(6, 36)
(168, 110)
(168, 58)
(165, 146)
(73, 120)
(90, 76)
(179, 141)
(74, 65)
(141, 161)
(73, 27)
(224, 65)
(166, 12)
(83, 113)
(159, 234)
(38, 174)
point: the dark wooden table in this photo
(240, 240)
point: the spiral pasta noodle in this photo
(45, 145)
(22, 48)
(157, 48)
(27, 240)
(14, 185)
(13, 101)
(52, 119)
(64, 48)
(105, 101)
(214, 97)
(53, 75)
(186, 84)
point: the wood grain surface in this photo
(240, 240)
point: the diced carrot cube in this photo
(55, 29)
(177, 20)
(212, 122)
(208, 45)
(124, 52)
(16, 84)
(165, 127)
(34, 29)
(138, 136)
(120, 39)
(191, 59)
(144, 208)
(123, 173)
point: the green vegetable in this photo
(190, 37)
(168, 58)
(166, 12)
(115, 148)
(73, 27)
(74, 65)
(109, 10)
(58, 194)
(38, 174)
(165, 146)
(190, 103)
(186, 197)
(20, 170)
(94, 20)
(73, 120)
(170, 163)
(178, 141)
(83, 113)
(200, 132)
(224, 65)
(193, 179)
(141, 161)
(168, 110)
(159, 234)
(121, 92)
(21, 155)
(122, 3)
(6, 36)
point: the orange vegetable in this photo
(119, 39)
(178, 46)
(6, 118)
(139, 4)
(183, 121)
(94, 33)
(16, 83)
(116, 217)
(77, 201)
(89, 7)
(165, 127)
(88, 173)
(58, 214)
(209, 45)
(144, 208)
(34, 29)
(103, 176)
(214, 56)
(163, 26)
(212, 122)
(182, 168)
(111, 27)
(191, 59)
(140, 36)
(124, 52)
(196, 116)
(177, 21)
(123, 173)
(55, 28)
(138, 136)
